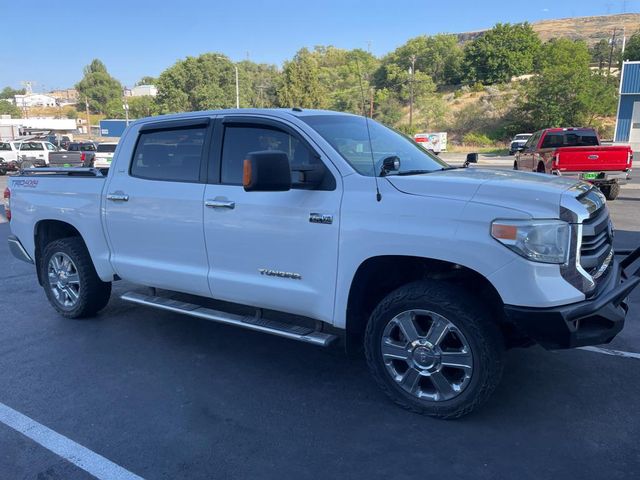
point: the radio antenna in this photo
(366, 122)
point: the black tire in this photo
(468, 316)
(2, 172)
(540, 168)
(93, 294)
(611, 192)
(515, 165)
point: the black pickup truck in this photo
(79, 154)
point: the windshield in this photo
(521, 137)
(106, 148)
(348, 135)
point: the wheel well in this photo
(378, 276)
(47, 231)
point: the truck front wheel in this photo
(70, 280)
(610, 191)
(434, 350)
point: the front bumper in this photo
(590, 322)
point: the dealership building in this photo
(628, 119)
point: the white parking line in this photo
(82, 457)
(608, 351)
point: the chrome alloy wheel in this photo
(64, 280)
(426, 355)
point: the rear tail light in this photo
(83, 156)
(556, 159)
(7, 203)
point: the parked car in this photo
(104, 154)
(25, 154)
(434, 142)
(518, 142)
(314, 225)
(79, 154)
(577, 153)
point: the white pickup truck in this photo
(318, 226)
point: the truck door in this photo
(154, 207)
(526, 156)
(276, 250)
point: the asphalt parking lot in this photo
(169, 397)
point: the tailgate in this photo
(593, 159)
(65, 159)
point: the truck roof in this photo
(566, 129)
(272, 112)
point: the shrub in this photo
(476, 140)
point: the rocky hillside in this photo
(590, 29)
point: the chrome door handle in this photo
(219, 204)
(118, 197)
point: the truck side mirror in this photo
(266, 171)
(472, 158)
(520, 148)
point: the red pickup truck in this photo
(576, 152)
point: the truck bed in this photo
(69, 195)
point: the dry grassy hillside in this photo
(590, 29)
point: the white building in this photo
(142, 91)
(11, 128)
(34, 100)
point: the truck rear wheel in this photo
(434, 350)
(70, 280)
(611, 191)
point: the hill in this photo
(590, 29)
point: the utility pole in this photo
(624, 43)
(125, 105)
(412, 72)
(613, 46)
(86, 107)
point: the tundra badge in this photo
(320, 218)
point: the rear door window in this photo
(171, 155)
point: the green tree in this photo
(503, 52)
(147, 80)
(258, 84)
(600, 53)
(140, 107)
(632, 52)
(439, 56)
(301, 85)
(8, 108)
(8, 92)
(97, 87)
(197, 83)
(566, 92)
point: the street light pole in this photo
(412, 71)
(237, 87)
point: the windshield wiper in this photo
(415, 172)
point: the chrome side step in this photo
(294, 332)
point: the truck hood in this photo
(533, 193)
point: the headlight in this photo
(545, 241)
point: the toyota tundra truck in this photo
(577, 153)
(324, 227)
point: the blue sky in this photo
(50, 42)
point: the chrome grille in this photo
(597, 242)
